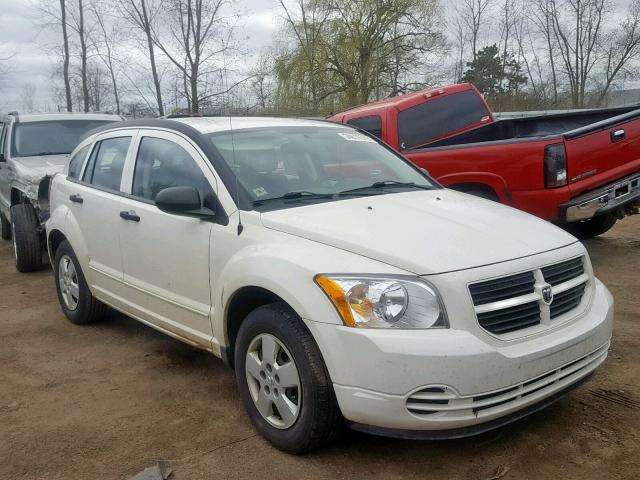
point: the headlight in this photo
(384, 302)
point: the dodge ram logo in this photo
(547, 295)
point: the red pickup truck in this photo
(578, 169)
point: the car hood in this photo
(42, 165)
(423, 232)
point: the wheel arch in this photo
(240, 303)
(488, 182)
(54, 238)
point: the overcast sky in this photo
(20, 32)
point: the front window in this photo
(50, 137)
(298, 164)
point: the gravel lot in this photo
(105, 401)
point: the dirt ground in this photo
(105, 401)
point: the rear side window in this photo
(437, 117)
(107, 162)
(371, 124)
(162, 164)
(75, 164)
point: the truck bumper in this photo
(622, 193)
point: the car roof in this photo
(221, 124)
(45, 117)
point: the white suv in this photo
(339, 281)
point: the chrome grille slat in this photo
(515, 302)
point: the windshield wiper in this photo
(385, 184)
(299, 195)
(42, 154)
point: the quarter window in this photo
(162, 164)
(107, 162)
(371, 124)
(75, 164)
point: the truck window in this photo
(371, 124)
(438, 117)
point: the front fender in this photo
(287, 269)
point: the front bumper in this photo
(429, 382)
(602, 200)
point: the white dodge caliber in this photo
(340, 282)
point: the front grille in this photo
(442, 401)
(563, 272)
(510, 319)
(567, 300)
(515, 302)
(502, 288)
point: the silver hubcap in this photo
(68, 280)
(274, 382)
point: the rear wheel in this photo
(283, 381)
(592, 227)
(5, 228)
(26, 238)
(76, 300)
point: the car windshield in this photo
(51, 137)
(305, 164)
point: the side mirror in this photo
(2, 159)
(182, 201)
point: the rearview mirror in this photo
(182, 201)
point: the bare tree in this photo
(474, 12)
(65, 58)
(104, 46)
(142, 13)
(623, 45)
(79, 25)
(197, 34)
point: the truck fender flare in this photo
(487, 180)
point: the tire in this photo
(318, 418)
(593, 227)
(26, 238)
(5, 228)
(76, 300)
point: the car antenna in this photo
(233, 150)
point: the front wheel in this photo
(26, 238)
(283, 381)
(592, 227)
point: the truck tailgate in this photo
(602, 152)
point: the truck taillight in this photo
(555, 166)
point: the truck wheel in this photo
(26, 238)
(5, 228)
(76, 300)
(593, 227)
(283, 381)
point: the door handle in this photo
(130, 215)
(75, 198)
(618, 135)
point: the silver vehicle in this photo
(33, 148)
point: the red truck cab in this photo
(579, 169)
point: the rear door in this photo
(95, 205)
(166, 257)
(599, 154)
